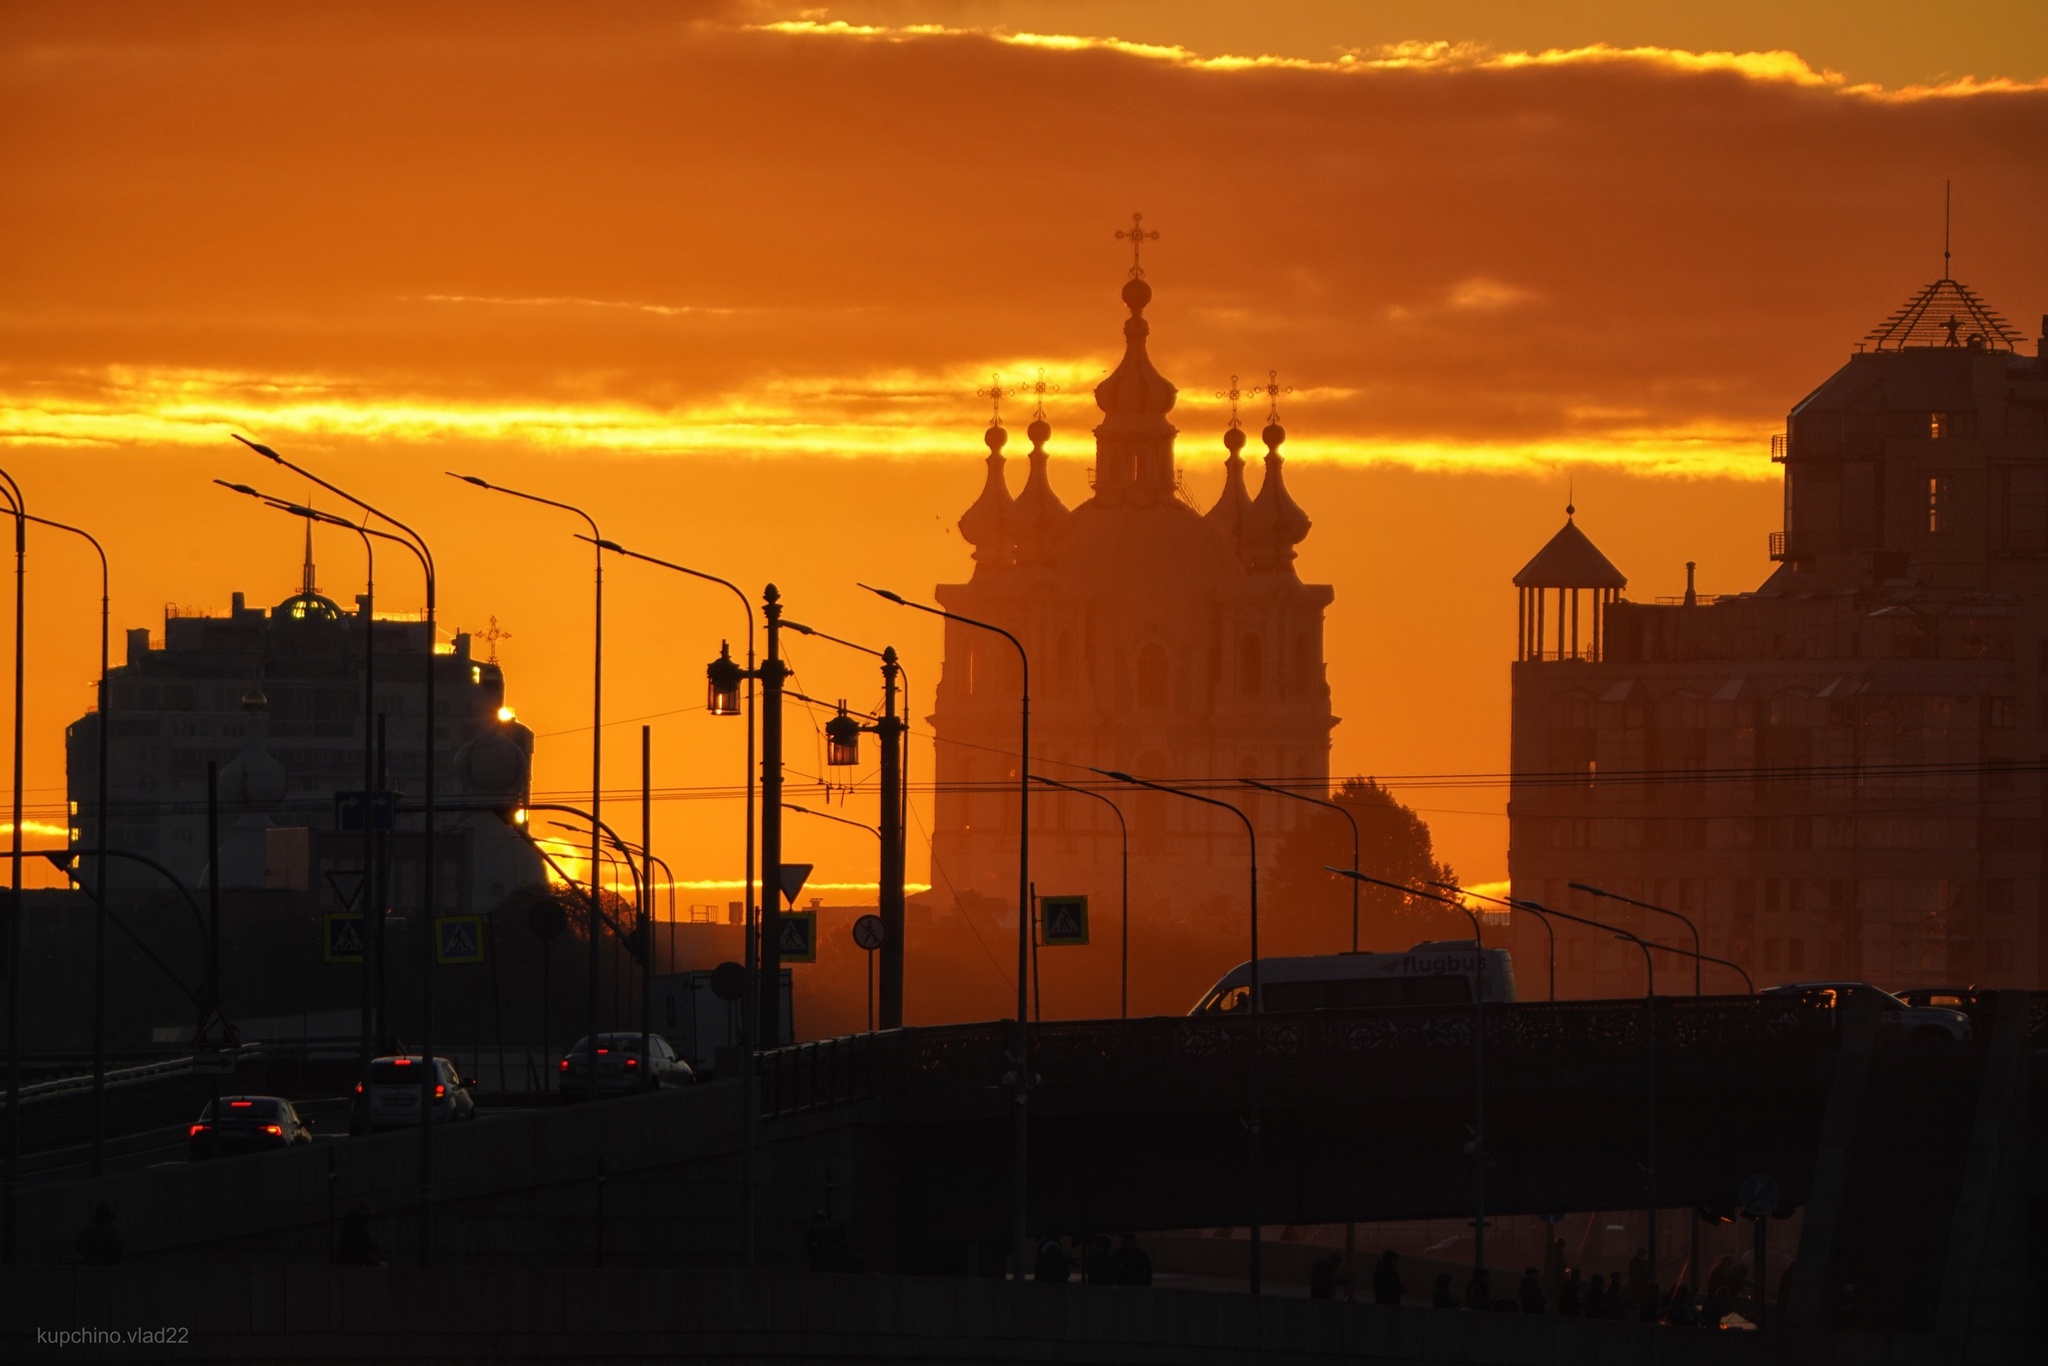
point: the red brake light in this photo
(273, 1130)
(602, 1051)
(632, 1062)
(198, 1129)
(241, 1104)
(565, 1064)
(359, 1088)
(439, 1090)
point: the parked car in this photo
(1926, 1025)
(247, 1124)
(393, 1097)
(621, 1070)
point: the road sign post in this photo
(796, 933)
(345, 942)
(870, 932)
(1063, 921)
(459, 939)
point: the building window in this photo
(1939, 426)
(1152, 685)
(1937, 504)
(1250, 666)
(2001, 713)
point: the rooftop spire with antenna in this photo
(307, 588)
(1944, 229)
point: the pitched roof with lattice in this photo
(1946, 313)
(1570, 560)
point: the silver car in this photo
(392, 1099)
(621, 1069)
(1927, 1026)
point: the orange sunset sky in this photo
(729, 275)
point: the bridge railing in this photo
(950, 1059)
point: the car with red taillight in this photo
(622, 1068)
(247, 1124)
(392, 1098)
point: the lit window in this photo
(1937, 504)
(507, 714)
(1938, 426)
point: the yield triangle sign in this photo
(792, 876)
(347, 884)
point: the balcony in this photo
(1777, 545)
(1781, 446)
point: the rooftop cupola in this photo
(1040, 521)
(1275, 523)
(1234, 504)
(988, 525)
(1134, 441)
(1550, 584)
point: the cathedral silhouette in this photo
(1164, 641)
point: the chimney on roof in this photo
(1692, 597)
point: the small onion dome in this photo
(1276, 524)
(1235, 502)
(1135, 394)
(1039, 520)
(987, 525)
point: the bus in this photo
(1439, 972)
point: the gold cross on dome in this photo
(1272, 389)
(491, 638)
(1041, 389)
(1137, 237)
(995, 394)
(1233, 394)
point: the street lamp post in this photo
(1528, 907)
(723, 679)
(1021, 1133)
(19, 507)
(1123, 989)
(1478, 1056)
(893, 732)
(1341, 810)
(429, 883)
(1257, 1041)
(1650, 1053)
(99, 926)
(365, 896)
(596, 738)
(1661, 910)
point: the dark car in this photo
(621, 1070)
(1946, 998)
(1925, 1025)
(247, 1124)
(393, 1098)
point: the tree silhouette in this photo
(1311, 907)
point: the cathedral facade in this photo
(1165, 641)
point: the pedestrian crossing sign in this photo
(344, 938)
(1063, 921)
(459, 939)
(796, 933)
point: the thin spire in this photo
(1137, 237)
(307, 587)
(995, 394)
(1571, 497)
(1944, 229)
(1233, 394)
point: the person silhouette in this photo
(1595, 1304)
(1132, 1263)
(1386, 1279)
(1443, 1297)
(356, 1247)
(1568, 1295)
(1531, 1293)
(98, 1244)
(1053, 1262)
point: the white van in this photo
(1438, 973)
